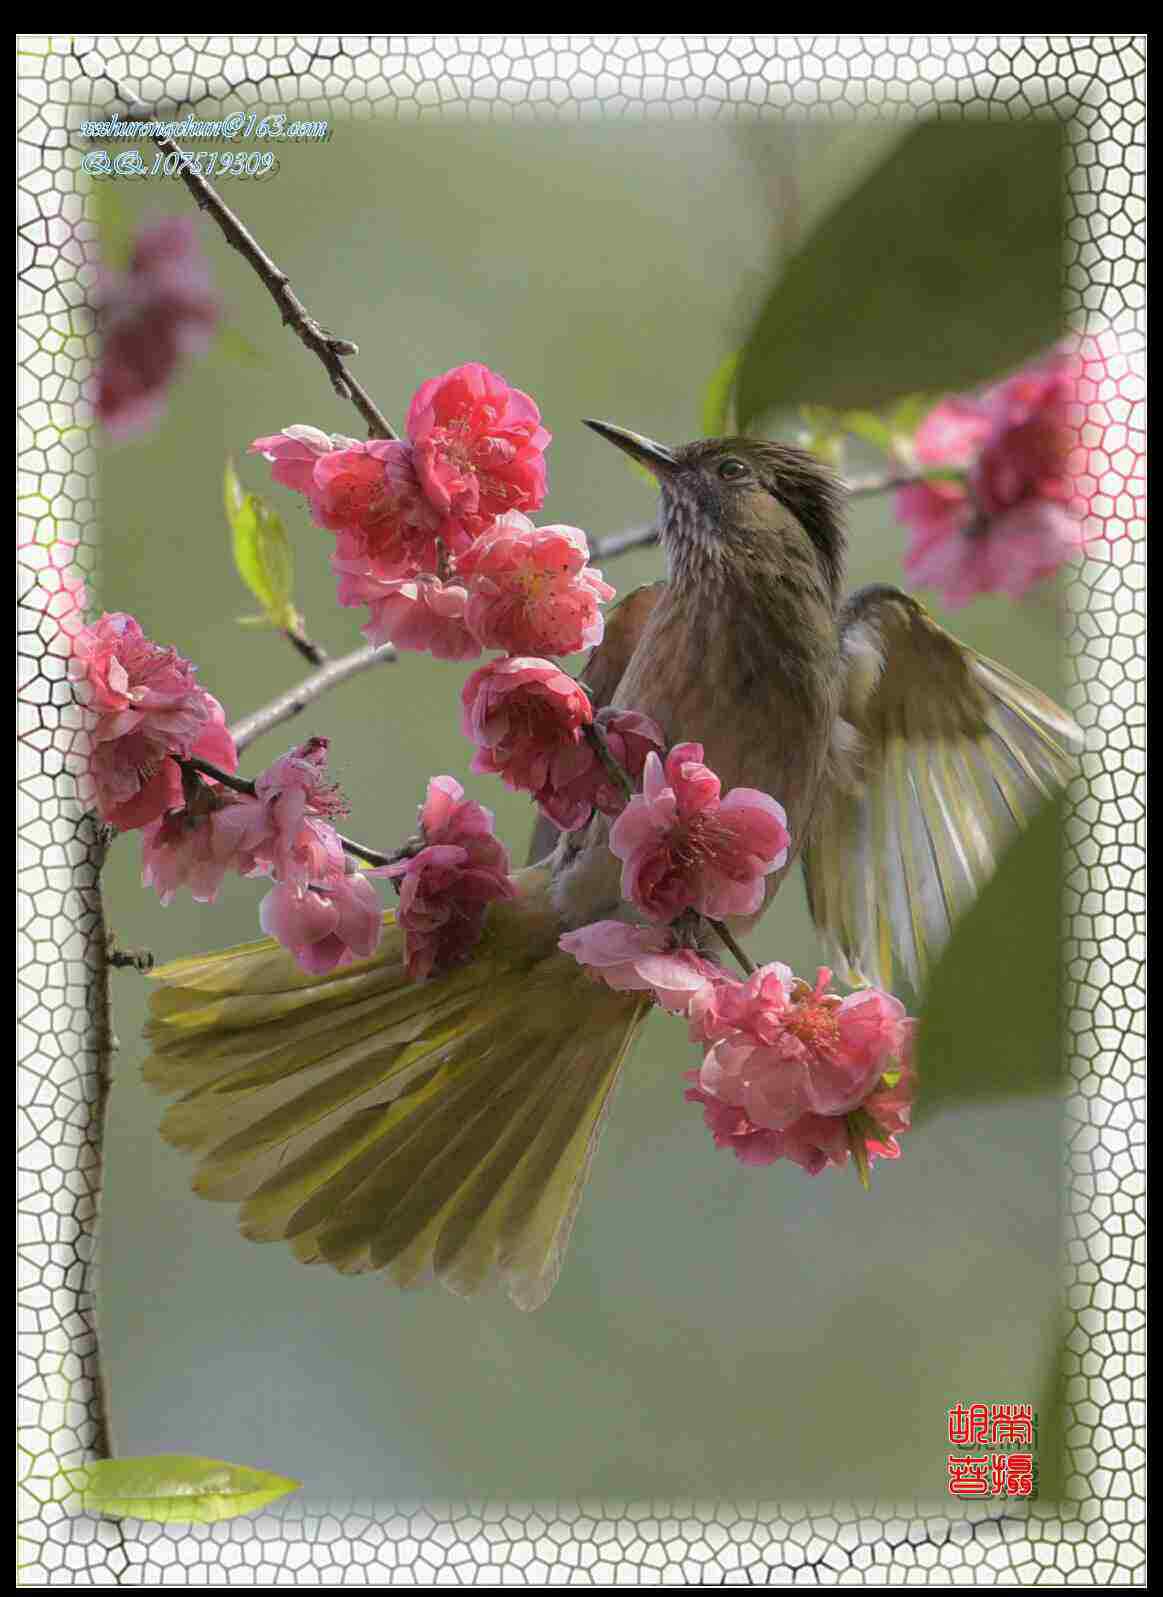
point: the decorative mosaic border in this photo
(1095, 85)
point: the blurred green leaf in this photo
(717, 400)
(873, 429)
(823, 433)
(176, 1488)
(990, 1023)
(262, 551)
(939, 270)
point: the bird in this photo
(445, 1130)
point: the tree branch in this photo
(294, 313)
(289, 704)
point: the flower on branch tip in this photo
(326, 924)
(479, 446)
(530, 589)
(143, 705)
(527, 719)
(685, 847)
(797, 1072)
(1013, 515)
(446, 887)
(150, 317)
(642, 959)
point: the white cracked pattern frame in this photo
(1095, 86)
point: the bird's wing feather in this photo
(605, 668)
(955, 754)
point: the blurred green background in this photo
(716, 1330)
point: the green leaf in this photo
(176, 1488)
(991, 1022)
(262, 551)
(939, 270)
(717, 407)
(823, 433)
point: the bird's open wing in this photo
(625, 624)
(957, 754)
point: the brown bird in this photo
(446, 1130)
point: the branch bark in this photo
(329, 349)
(297, 699)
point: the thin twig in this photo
(618, 543)
(596, 740)
(311, 651)
(289, 704)
(728, 938)
(295, 314)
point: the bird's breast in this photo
(762, 706)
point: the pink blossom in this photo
(421, 613)
(479, 446)
(196, 846)
(527, 719)
(145, 706)
(757, 1006)
(641, 959)
(295, 452)
(629, 737)
(816, 1141)
(371, 491)
(530, 589)
(369, 495)
(803, 1051)
(683, 847)
(281, 830)
(1012, 519)
(151, 317)
(290, 837)
(324, 925)
(448, 885)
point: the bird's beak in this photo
(655, 457)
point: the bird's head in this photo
(741, 503)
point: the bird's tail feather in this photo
(443, 1130)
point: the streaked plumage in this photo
(446, 1130)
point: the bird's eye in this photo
(732, 470)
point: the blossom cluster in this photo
(431, 533)
(146, 716)
(1007, 514)
(790, 1071)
